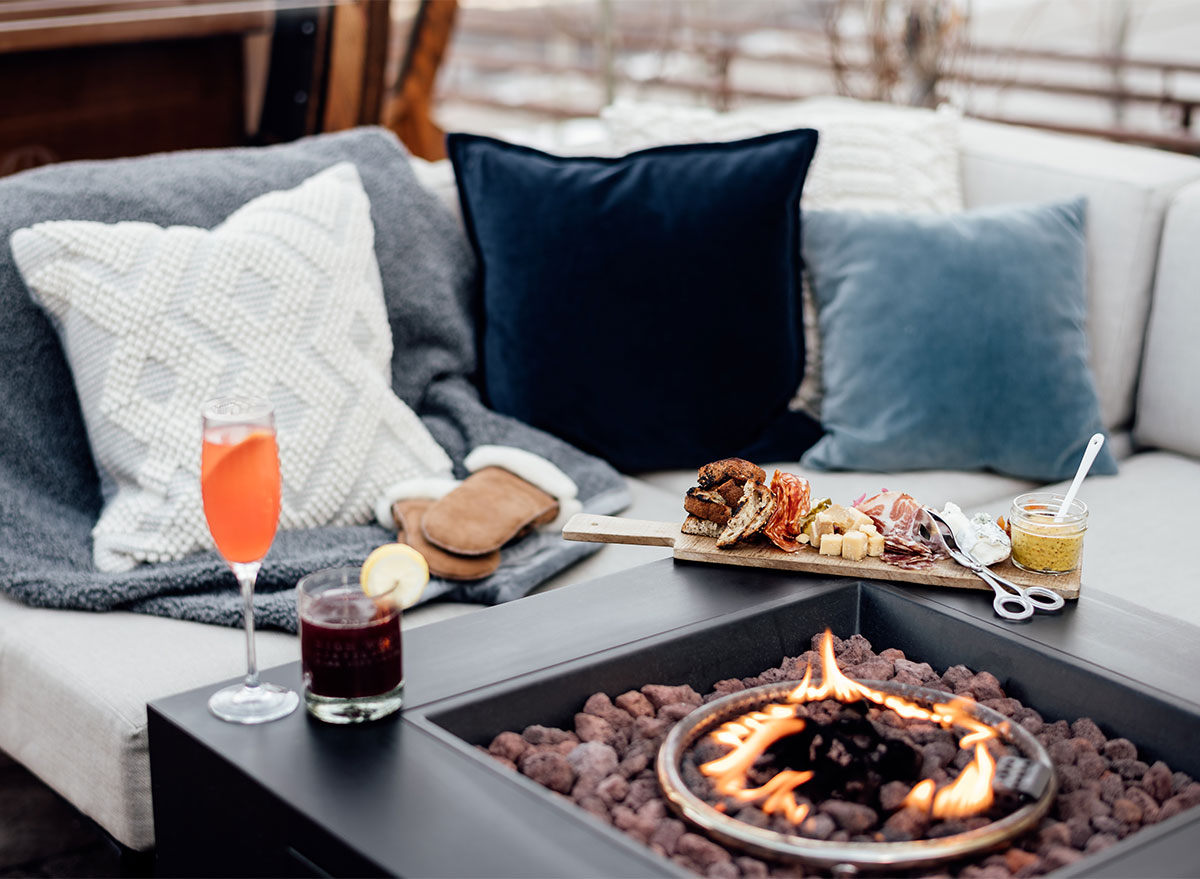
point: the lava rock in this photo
(591, 728)
(508, 745)
(852, 817)
(1090, 765)
(593, 758)
(937, 755)
(1111, 787)
(1085, 728)
(906, 824)
(613, 789)
(1099, 842)
(892, 794)
(634, 763)
(984, 686)
(675, 712)
(922, 671)
(1190, 792)
(1054, 732)
(751, 868)
(1147, 803)
(1119, 749)
(549, 769)
(649, 728)
(600, 705)
(872, 670)
(1126, 811)
(1071, 779)
(667, 835)
(660, 695)
(727, 686)
(641, 791)
(1157, 781)
(1018, 860)
(703, 852)
(1007, 706)
(723, 870)
(547, 735)
(994, 871)
(1059, 856)
(1056, 833)
(635, 704)
(1172, 807)
(819, 826)
(1130, 770)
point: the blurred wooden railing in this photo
(490, 41)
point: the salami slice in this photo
(792, 498)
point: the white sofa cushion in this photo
(1128, 189)
(1113, 559)
(1168, 411)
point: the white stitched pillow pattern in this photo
(282, 300)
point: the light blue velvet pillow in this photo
(954, 341)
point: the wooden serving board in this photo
(690, 547)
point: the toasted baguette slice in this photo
(738, 469)
(751, 516)
(702, 527)
(707, 505)
(731, 491)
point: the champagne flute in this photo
(239, 481)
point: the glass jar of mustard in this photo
(1041, 541)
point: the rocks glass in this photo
(350, 652)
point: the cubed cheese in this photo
(861, 520)
(854, 545)
(874, 545)
(831, 544)
(841, 517)
(868, 528)
(822, 525)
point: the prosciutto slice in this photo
(900, 518)
(792, 499)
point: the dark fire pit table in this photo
(411, 795)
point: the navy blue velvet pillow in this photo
(645, 308)
(954, 342)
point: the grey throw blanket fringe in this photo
(49, 488)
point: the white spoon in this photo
(1089, 455)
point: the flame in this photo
(750, 735)
(971, 792)
(921, 796)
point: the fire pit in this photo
(746, 727)
(1039, 667)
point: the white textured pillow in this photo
(282, 300)
(870, 157)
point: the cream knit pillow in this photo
(282, 300)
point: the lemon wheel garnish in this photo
(398, 566)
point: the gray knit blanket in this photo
(49, 489)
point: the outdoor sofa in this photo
(74, 685)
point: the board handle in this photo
(590, 528)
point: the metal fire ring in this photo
(844, 857)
